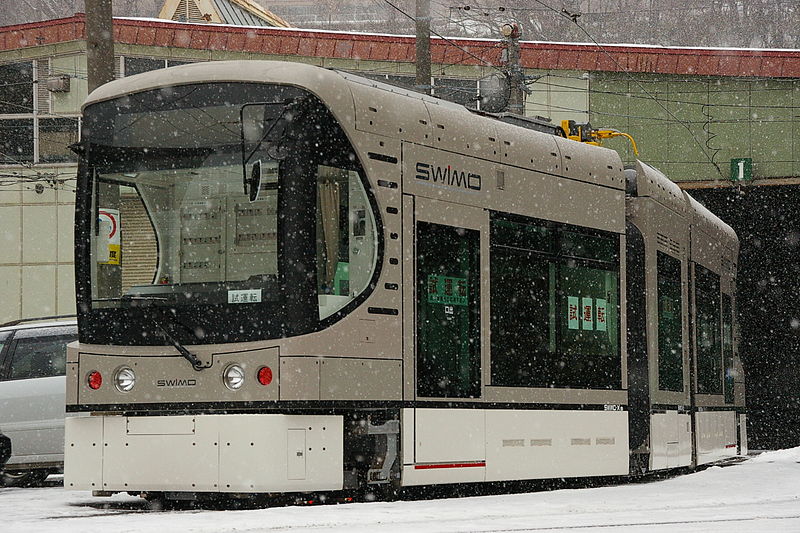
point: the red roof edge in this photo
(541, 55)
(77, 17)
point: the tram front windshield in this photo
(236, 211)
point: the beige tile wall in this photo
(36, 250)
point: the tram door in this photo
(448, 348)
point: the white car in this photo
(32, 385)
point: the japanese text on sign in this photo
(600, 307)
(588, 314)
(109, 224)
(572, 312)
(250, 296)
(447, 290)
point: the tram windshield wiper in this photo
(172, 319)
(162, 313)
(131, 298)
(189, 356)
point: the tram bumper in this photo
(245, 453)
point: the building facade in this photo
(691, 112)
(724, 120)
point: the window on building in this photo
(708, 331)
(28, 135)
(55, 137)
(138, 65)
(670, 323)
(398, 80)
(16, 141)
(462, 91)
(16, 88)
(554, 305)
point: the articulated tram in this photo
(293, 279)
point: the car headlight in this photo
(124, 379)
(233, 376)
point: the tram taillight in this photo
(265, 375)
(94, 380)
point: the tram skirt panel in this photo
(205, 453)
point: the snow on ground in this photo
(758, 495)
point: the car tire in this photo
(30, 478)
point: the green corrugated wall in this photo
(683, 124)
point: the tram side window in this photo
(554, 306)
(346, 239)
(448, 312)
(522, 305)
(727, 346)
(670, 330)
(707, 331)
(589, 341)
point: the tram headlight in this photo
(233, 376)
(124, 379)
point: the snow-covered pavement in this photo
(759, 495)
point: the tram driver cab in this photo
(204, 189)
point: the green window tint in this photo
(583, 245)
(727, 346)
(521, 319)
(528, 236)
(448, 312)
(554, 318)
(670, 330)
(707, 331)
(589, 326)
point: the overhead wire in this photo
(701, 6)
(574, 18)
(670, 100)
(568, 16)
(445, 39)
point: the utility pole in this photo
(100, 67)
(99, 43)
(516, 78)
(423, 46)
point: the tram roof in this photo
(244, 71)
